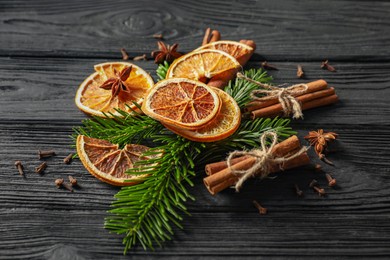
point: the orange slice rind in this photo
(222, 126)
(107, 162)
(92, 99)
(207, 66)
(182, 103)
(242, 52)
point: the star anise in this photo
(165, 52)
(319, 139)
(118, 85)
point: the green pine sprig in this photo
(240, 89)
(120, 129)
(162, 70)
(146, 213)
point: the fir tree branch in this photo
(162, 70)
(240, 89)
(146, 213)
(129, 128)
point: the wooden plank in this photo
(292, 30)
(44, 89)
(41, 221)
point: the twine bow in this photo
(264, 159)
(285, 95)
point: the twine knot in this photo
(286, 96)
(264, 162)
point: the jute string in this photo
(286, 98)
(264, 159)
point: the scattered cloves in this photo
(45, 154)
(60, 183)
(262, 210)
(68, 158)
(125, 56)
(331, 181)
(298, 191)
(41, 168)
(325, 160)
(158, 36)
(142, 57)
(300, 72)
(314, 185)
(72, 180)
(19, 166)
(267, 66)
(326, 65)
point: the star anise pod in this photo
(118, 86)
(319, 139)
(165, 52)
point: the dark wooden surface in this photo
(48, 47)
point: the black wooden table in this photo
(47, 48)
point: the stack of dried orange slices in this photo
(189, 102)
(192, 109)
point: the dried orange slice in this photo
(213, 67)
(112, 86)
(223, 125)
(107, 162)
(182, 102)
(242, 52)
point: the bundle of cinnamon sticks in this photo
(220, 176)
(318, 94)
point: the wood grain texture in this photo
(44, 89)
(39, 220)
(283, 30)
(47, 48)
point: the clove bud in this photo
(68, 158)
(60, 183)
(326, 65)
(262, 210)
(267, 66)
(41, 168)
(300, 72)
(45, 154)
(142, 57)
(314, 185)
(72, 180)
(125, 56)
(19, 166)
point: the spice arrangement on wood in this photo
(194, 113)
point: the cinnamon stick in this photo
(249, 43)
(224, 178)
(315, 99)
(226, 174)
(223, 78)
(211, 36)
(320, 102)
(280, 149)
(312, 87)
(218, 166)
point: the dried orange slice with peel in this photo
(223, 125)
(113, 85)
(107, 162)
(242, 52)
(213, 67)
(182, 103)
